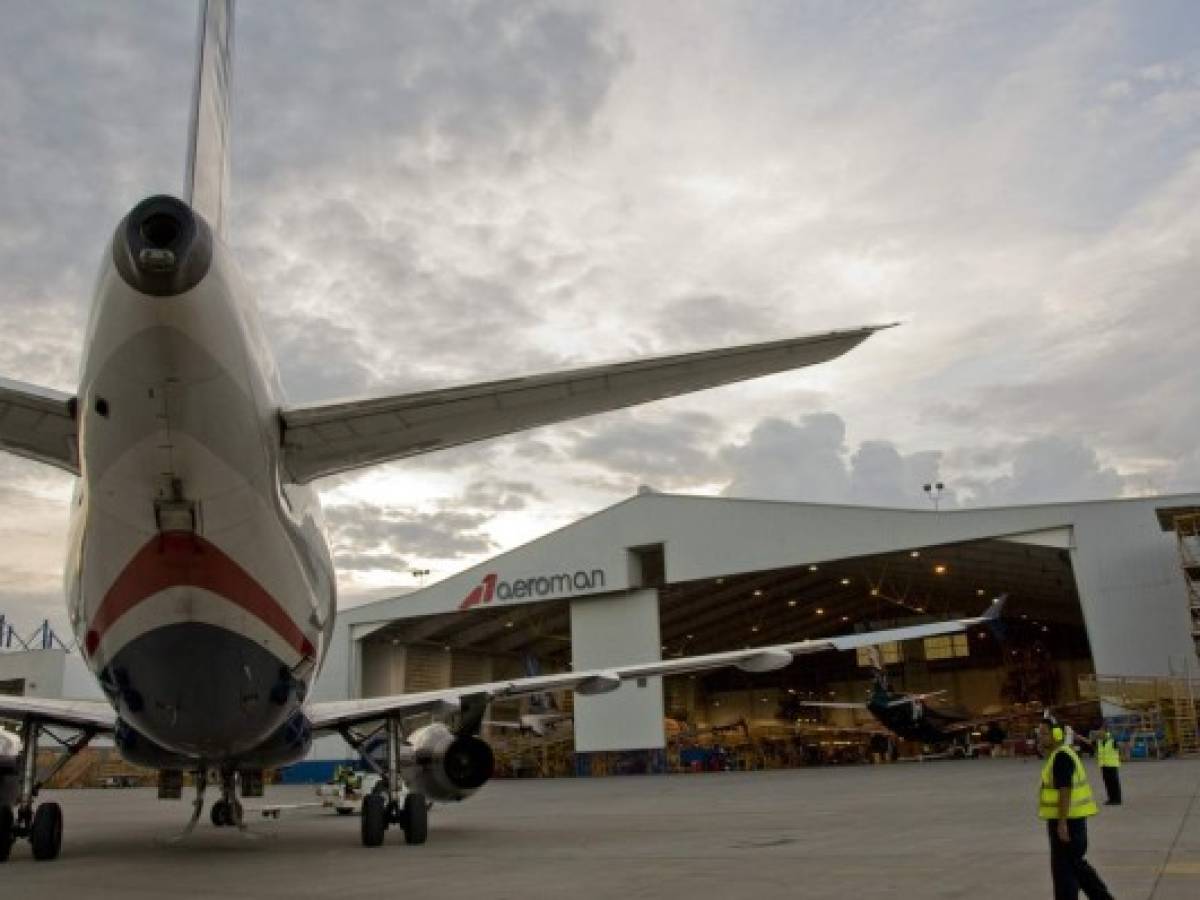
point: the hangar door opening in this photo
(1043, 652)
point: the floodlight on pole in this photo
(934, 492)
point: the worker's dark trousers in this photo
(1070, 870)
(1112, 783)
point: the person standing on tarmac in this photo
(1065, 803)
(1109, 758)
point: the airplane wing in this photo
(342, 713)
(89, 715)
(38, 423)
(325, 440)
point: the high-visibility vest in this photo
(1107, 753)
(1081, 804)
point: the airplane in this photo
(911, 716)
(199, 581)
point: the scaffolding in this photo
(1187, 533)
(1166, 707)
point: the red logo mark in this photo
(481, 594)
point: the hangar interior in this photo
(1044, 651)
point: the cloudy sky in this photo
(432, 193)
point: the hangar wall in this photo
(610, 631)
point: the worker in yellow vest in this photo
(1109, 758)
(1065, 803)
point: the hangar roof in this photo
(688, 545)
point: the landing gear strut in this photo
(41, 823)
(227, 811)
(391, 805)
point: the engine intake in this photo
(445, 767)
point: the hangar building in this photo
(1093, 587)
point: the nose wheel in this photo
(227, 812)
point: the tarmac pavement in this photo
(922, 830)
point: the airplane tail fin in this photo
(206, 183)
(992, 618)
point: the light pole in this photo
(934, 492)
(420, 575)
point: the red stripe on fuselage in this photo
(183, 559)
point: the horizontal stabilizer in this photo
(325, 440)
(38, 423)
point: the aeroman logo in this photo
(537, 586)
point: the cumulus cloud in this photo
(809, 460)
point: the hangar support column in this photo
(608, 631)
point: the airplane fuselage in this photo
(199, 580)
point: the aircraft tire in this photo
(374, 819)
(6, 832)
(219, 814)
(416, 819)
(46, 832)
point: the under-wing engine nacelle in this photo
(444, 766)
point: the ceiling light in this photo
(754, 628)
(845, 618)
(845, 581)
(812, 568)
(508, 624)
(979, 592)
(820, 612)
(920, 609)
(689, 637)
(874, 592)
(720, 581)
(915, 554)
(758, 593)
(791, 603)
(939, 569)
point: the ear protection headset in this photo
(1056, 732)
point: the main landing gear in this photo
(384, 807)
(41, 823)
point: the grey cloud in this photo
(484, 82)
(1050, 468)
(371, 530)
(665, 450)
(713, 319)
(784, 460)
(809, 461)
(500, 496)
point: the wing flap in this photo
(92, 715)
(338, 713)
(38, 423)
(326, 440)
